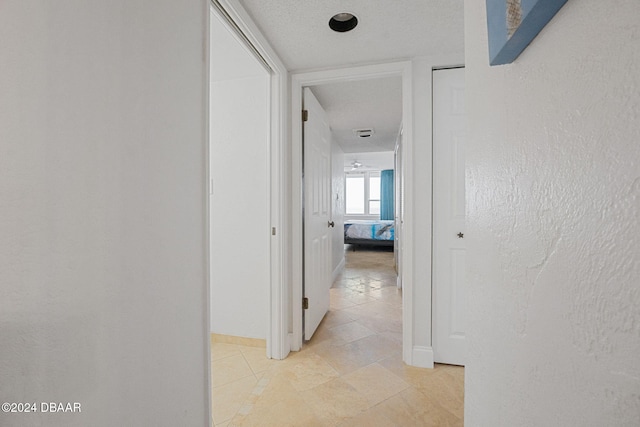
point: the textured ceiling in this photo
(298, 30)
(364, 104)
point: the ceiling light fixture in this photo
(343, 22)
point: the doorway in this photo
(300, 81)
(239, 93)
(247, 175)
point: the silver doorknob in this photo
(331, 224)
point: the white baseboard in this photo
(337, 271)
(422, 357)
(293, 345)
(286, 346)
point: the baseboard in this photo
(422, 356)
(337, 270)
(291, 346)
(230, 339)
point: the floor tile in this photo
(335, 318)
(279, 405)
(335, 401)
(351, 331)
(227, 399)
(343, 358)
(375, 383)
(410, 408)
(338, 302)
(222, 350)
(310, 372)
(372, 417)
(258, 360)
(230, 369)
(350, 373)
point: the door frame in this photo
(236, 16)
(401, 69)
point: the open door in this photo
(449, 249)
(317, 213)
(398, 215)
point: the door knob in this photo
(460, 235)
(331, 224)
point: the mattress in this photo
(368, 230)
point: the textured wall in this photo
(102, 205)
(553, 191)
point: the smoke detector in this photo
(364, 133)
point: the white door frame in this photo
(298, 81)
(277, 338)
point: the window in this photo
(355, 194)
(363, 193)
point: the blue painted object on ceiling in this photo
(535, 15)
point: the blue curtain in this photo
(386, 195)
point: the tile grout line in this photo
(239, 351)
(247, 406)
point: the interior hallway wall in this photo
(239, 199)
(553, 192)
(240, 207)
(103, 201)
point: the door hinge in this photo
(273, 231)
(305, 115)
(305, 303)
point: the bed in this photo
(371, 233)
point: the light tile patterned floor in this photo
(350, 374)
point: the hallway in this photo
(351, 373)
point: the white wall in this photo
(337, 206)
(240, 191)
(240, 207)
(376, 160)
(102, 200)
(422, 162)
(553, 191)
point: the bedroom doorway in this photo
(360, 279)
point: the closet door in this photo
(449, 249)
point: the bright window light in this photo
(355, 194)
(363, 193)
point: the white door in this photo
(399, 216)
(449, 249)
(317, 213)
